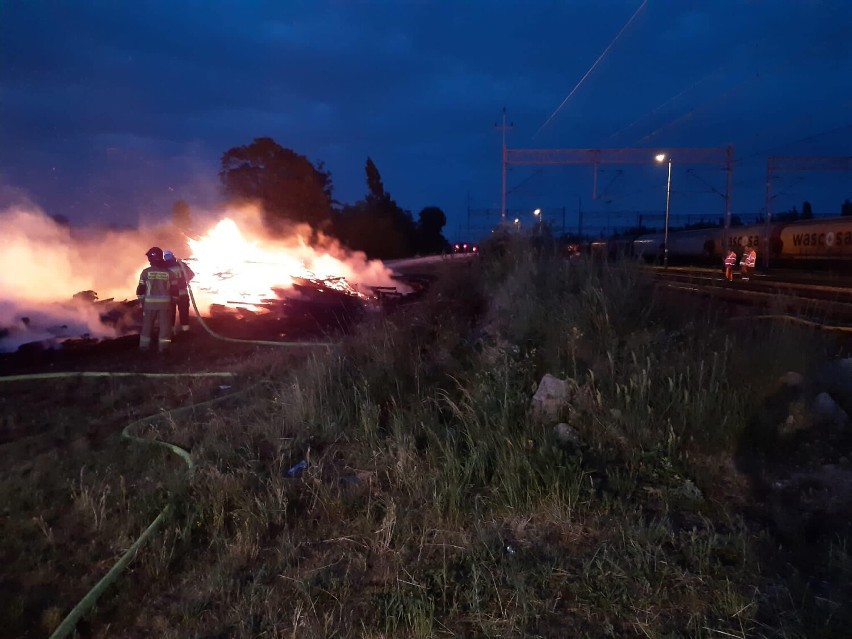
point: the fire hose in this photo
(69, 623)
(67, 626)
(40, 376)
(216, 335)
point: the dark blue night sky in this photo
(113, 110)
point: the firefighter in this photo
(184, 276)
(730, 263)
(748, 262)
(157, 290)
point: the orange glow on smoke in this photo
(232, 269)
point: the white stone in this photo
(550, 396)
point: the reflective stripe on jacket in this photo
(177, 274)
(157, 285)
(749, 259)
(183, 275)
(731, 260)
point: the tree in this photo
(807, 211)
(846, 207)
(284, 183)
(430, 239)
(787, 216)
(374, 181)
(377, 225)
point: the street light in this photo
(517, 224)
(661, 157)
(537, 214)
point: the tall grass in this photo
(434, 503)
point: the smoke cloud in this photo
(45, 262)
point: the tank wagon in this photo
(826, 241)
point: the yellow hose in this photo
(261, 342)
(67, 626)
(55, 375)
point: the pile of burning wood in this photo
(308, 308)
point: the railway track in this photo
(805, 299)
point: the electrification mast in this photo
(504, 127)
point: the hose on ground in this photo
(69, 623)
(261, 342)
(57, 375)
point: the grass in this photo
(433, 503)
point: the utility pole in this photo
(503, 128)
(729, 169)
(668, 200)
(768, 215)
(468, 215)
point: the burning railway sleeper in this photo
(309, 307)
(312, 307)
(386, 294)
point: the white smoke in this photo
(49, 324)
(44, 263)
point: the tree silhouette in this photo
(374, 181)
(787, 216)
(283, 182)
(846, 207)
(376, 225)
(430, 239)
(807, 211)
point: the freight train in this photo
(823, 242)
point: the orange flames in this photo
(233, 269)
(44, 263)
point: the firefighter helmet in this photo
(168, 256)
(155, 253)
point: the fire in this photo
(44, 264)
(232, 269)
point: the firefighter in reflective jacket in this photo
(730, 263)
(748, 261)
(157, 290)
(184, 276)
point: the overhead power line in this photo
(664, 104)
(793, 60)
(592, 68)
